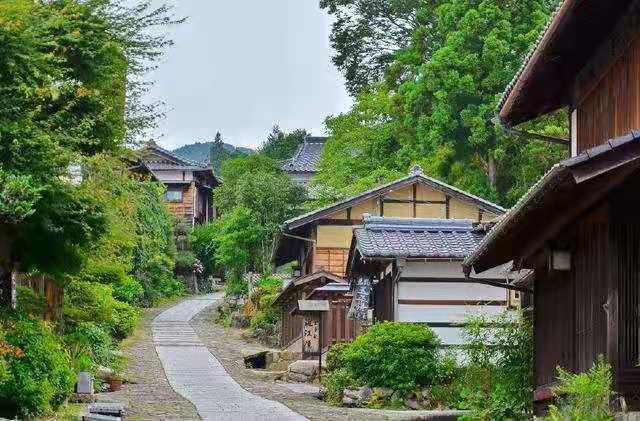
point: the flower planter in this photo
(115, 384)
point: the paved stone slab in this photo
(196, 374)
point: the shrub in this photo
(499, 375)
(335, 356)
(30, 302)
(92, 302)
(185, 260)
(335, 382)
(124, 320)
(584, 396)
(401, 356)
(93, 340)
(236, 288)
(40, 378)
(128, 290)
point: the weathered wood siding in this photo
(332, 260)
(612, 108)
(183, 210)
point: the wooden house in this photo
(320, 241)
(189, 184)
(578, 226)
(413, 269)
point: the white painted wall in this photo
(173, 175)
(452, 290)
(420, 313)
(450, 269)
(449, 291)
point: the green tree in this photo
(437, 102)
(256, 185)
(367, 34)
(280, 145)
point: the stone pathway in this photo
(196, 374)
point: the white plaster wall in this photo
(420, 313)
(449, 269)
(173, 175)
(449, 291)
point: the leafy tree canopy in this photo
(68, 88)
(280, 145)
(436, 104)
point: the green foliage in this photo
(499, 373)
(30, 302)
(401, 356)
(334, 384)
(366, 34)
(40, 378)
(220, 152)
(445, 65)
(335, 356)
(585, 396)
(93, 341)
(202, 151)
(236, 287)
(280, 145)
(255, 199)
(185, 260)
(264, 317)
(91, 302)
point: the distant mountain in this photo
(200, 151)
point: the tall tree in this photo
(437, 101)
(65, 68)
(280, 145)
(366, 35)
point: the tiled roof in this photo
(415, 237)
(172, 161)
(307, 156)
(528, 57)
(416, 175)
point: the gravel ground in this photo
(149, 395)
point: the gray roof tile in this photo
(307, 156)
(414, 237)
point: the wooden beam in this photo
(454, 302)
(415, 198)
(414, 202)
(447, 204)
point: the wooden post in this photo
(320, 346)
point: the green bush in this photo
(128, 290)
(40, 377)
(335, 382)
(124, 319)
(30, 302)
(236, 287)
(401, 356)
(499, 376)
(93, 340)
(335, 356)
(92, 302)
(585, 396)
(185, 260)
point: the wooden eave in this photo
(547, 77)
(565, 193)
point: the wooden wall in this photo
(612, 108)
(184, 210)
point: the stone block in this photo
(268, 375)
(307, 367)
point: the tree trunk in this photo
(492, 171)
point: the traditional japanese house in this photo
(578, 227)
(304, 164)
(413, 267)
(189, 184)
(319, 241)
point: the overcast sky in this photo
(241, 66)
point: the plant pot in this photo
(115, 384)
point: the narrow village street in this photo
(197, 375)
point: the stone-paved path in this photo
(196, 374)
